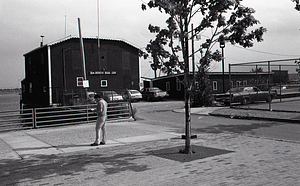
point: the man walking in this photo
(100, 124)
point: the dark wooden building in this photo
(54, 72)
(174, 87)
(280, 76)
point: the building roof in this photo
(90, 38)
(71, 37)
(211, 74)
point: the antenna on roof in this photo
(98, 36)
(42, 40)
(98, 16)
(65, 25)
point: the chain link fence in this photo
(279, 78)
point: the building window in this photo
(79, 81)
(245, 83)
(238, 83)
(103, 83)
(197, 85)
(178, 85)
(168, 86)
(30, 87)
(215, 85)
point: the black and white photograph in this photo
(150, 92)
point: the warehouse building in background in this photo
(54, 73)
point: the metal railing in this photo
(57, 116)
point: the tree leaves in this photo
(226, 17)
(258, 70)
(240, 21)
(297, 7)
(153, 29)
(144, 7)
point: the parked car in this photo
(153, 93)
(245, 95)
(111, 96)
(134, 95)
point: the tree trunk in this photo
(188, 148)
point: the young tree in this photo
(226, 19)
(156, 49)
(201, 92)
(259, 69)
(297, 7)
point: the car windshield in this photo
(110, 93)
(134, 92)
(236, 90)
(154, 90)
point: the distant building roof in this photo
(211, 73)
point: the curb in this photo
(256, 118)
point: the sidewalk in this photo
(143, 154)
(48, 141)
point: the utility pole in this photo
(85, 82)
(82, 50)
(98, 39)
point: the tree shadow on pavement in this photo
(37, 168)
(216, 129)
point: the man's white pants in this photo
(100, 130)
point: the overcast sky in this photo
(22, 22)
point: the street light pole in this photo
(222, 46)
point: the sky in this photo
(22, 22)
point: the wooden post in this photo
(82, 56)
(82, 50)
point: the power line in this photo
(270, 53)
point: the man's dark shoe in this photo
(94, 144)
(101, 143)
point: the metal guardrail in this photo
(15, 119)
(58, 116)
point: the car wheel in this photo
(244, 101)
(148, 98)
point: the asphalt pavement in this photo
(142, 154)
